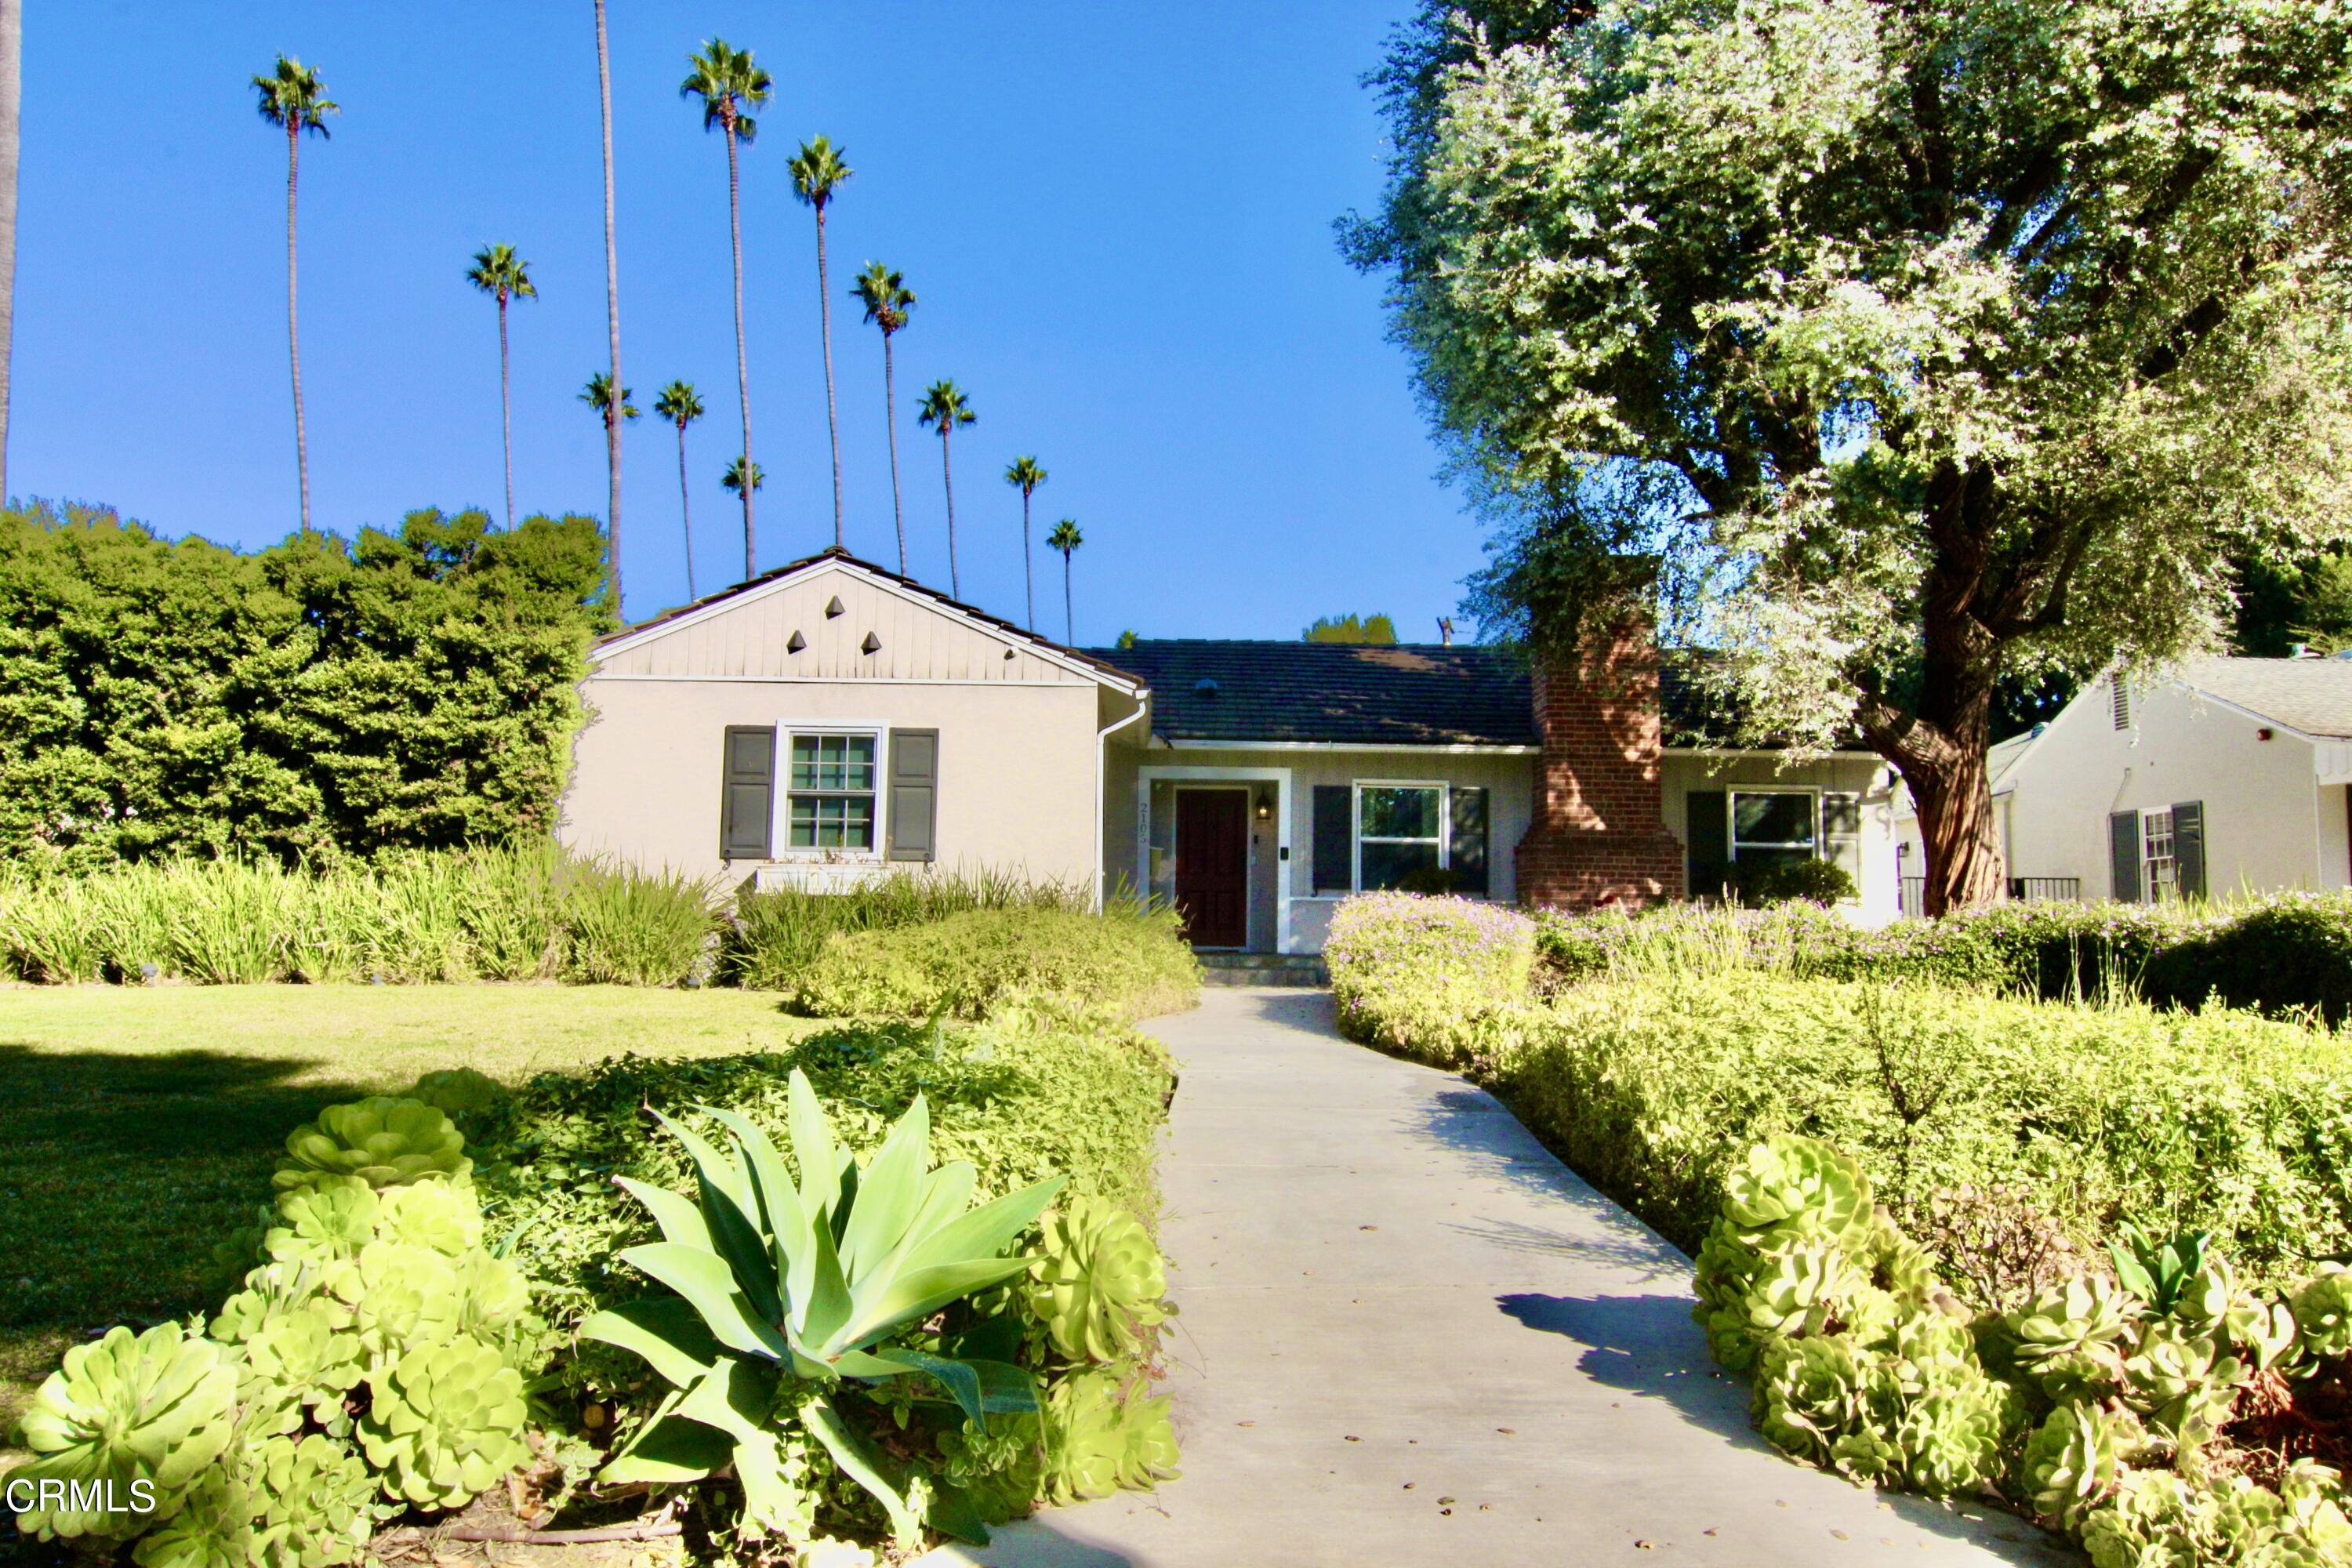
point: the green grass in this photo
(138, 1126)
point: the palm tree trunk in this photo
(891, 423)
(686, 513)
(831, 416)
(742, 365)
(293, 333)
(947, 471)
(613, 321)
(12, 78)
(1069, 620)
(1028, 566)
(505, 409)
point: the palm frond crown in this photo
(295, 95)
(883, 291)
(817, 172)
(731, 84)
(944, 407)
(498, 272)
(680, 403)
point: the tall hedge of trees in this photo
(321, 699)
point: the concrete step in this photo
(1296, 969)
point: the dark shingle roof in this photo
(1341, 693)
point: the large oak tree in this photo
(1922, 343)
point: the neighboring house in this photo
(2226, 774)
(830, 720)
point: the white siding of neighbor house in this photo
(1016, 737)
(1509, 779)
(2269, 825)
(1680, 773)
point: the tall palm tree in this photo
(498, 272)
(611, 305)
(817, 172)
(1025, 476)
(1067, 539)
(728, 83)
(682, 405)
(12, 97)
(294, 98)
(887, 302)
(943, 409)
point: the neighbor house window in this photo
(1774, 825)
(1400, 830)
(2160, 867)
(829, 790)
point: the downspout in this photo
(1102, 781)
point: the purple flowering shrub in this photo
(1442, 979)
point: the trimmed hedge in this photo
(2285, 954)
(776, 935)
(1432, 977)
(1125, 961)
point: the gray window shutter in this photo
(2188, 848)
(747, 792)
(1706, 837)
(1334, 839)
(2123, 855)
(1467, 842)
(914, 794)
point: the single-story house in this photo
(830, 721)
(2222, 775)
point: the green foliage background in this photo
(320, 698)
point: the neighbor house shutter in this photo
(2188, 848)
(1469, 842)
(914, 794)
(1333, 836)
(747, 792)
(2123, 855)
(1706, 837)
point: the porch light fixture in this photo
(1265, 807)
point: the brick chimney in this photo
(1599, 835)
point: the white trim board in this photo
(1463, 748)
(1145, 777)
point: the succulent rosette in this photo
(445, 1422)
(144, 1413)
(384, 1141)
(1097, 1281)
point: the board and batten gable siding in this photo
(752, 636)
(1015, 760)
(2268, 823)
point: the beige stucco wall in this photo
(2268, 825)
(1509, 780)
(1680, 773)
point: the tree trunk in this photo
(686, 513)
(832, 414)
(505, 409)
(1940, 749)
(742, 365)
(1069, 619)
(947, 471)
(1028, 564)
(612, 323)
(12, 96)
(891, 423)
(1958, 832)
(293, 333)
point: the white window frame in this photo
(779, 828)
(2153, 888)
(1445, 788)
(1731, 816)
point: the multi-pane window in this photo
(1400, 829)
(1774, 825)
(2159, 868)
(830, 791)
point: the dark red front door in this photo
(1213, 866)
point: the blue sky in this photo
(1118, 219)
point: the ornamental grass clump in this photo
(1444, 980)
(1126, 962)
(2164, 1412)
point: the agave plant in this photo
(800, 1281)
(385, 1142)
(1097, 1280)
(145, 1414)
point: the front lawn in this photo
(137, 1125)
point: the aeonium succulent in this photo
(1097, 1280)
(2322, 1312)
(386, 1142)
(1105, 1438)
(145, 1414)
(445, 1422)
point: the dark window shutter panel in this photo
(2188, 848)
(1469, 842)
(2123, 855)
(914, 794)
(1334, 839)
(1706, 839)
(747, 792)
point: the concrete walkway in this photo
(1410, 1335)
